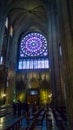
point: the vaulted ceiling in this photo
(27, 16)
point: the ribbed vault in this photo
(24, 15)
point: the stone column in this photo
(2, 20)
(10, 89)
(2, 24)
(65, 11)
(54, 56)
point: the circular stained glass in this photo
(33, 44)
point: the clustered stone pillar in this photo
(66, 27)
(54, 57)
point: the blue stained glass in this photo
(24, 64)
(33, 44)
(27, 64)
(35, 64)
(39, 63)
(31, 64)
(20, 65)
(42, 62)
(46, 63)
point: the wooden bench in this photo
(59, 120)
(35, 119)
(32, 125)
(40, 118)
(49, 122)
(5, 110)
(36, 114)
(12, 124)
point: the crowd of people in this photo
(20, 108)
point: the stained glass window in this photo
(33, 44)
(6, 23)
(34, 64)
(31, 64)
(33, 53)
(20, 65)
(24, 64)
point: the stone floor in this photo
(43, 126)
(5, 121)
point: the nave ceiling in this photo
(27, 16)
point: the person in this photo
(26, 107)
(35, 107)
(14, 108)
(19, 107)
